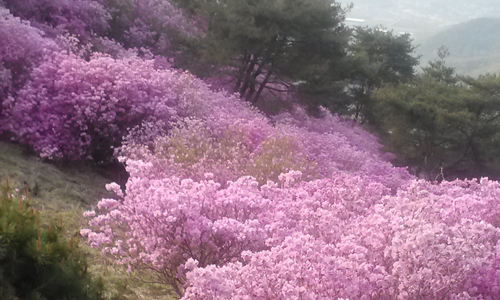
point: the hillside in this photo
(62, 187)
(473, 46)
(214, 199)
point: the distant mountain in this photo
(421, 18)
(473, 46)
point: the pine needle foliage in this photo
(36, 262)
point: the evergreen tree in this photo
(280, 41)
(442, 124)
(35, 261)
(377, 57)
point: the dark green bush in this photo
(36, 261)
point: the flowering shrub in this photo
(231, 144)
(79, 17)
(112, 48)
(279, 154)
(150, 24)
(327, 123)
(341, 146)
(21, 48)
(344, 237)
(161, 223)
(362, 230)
(400, 247)
(172, 213)
(78, 109)
(191, 150)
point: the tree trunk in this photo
(248, 76)
(253, 81)
(262, 86)
(241, 71)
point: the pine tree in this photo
(36, 262)
(280, 41)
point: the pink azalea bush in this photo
(226, 140)
(192, 149)
(73, 108)
(76, 109)
(354, 228)
(334, 152)
(161, 223)
(170, 220)
(116, 50)
(150, 24)
(189, 203)
(411, 246)
(21, 49)
(227, 144)
(238, 143)
(83, 18)
(344, 237)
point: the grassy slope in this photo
(57, 187)
(64, 191)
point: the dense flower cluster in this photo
(75, 108)
(149, 18)
(424, 243)
(205, 159)
(240, 143)
(343, 237)
(79, 17)
(166, 221)
(192, 149)
(340, 146)
(21, 48)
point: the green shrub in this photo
(36, 262)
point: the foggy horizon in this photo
(469, 30)
(420, 18)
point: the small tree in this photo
(36, 262)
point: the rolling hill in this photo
(473, 46)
